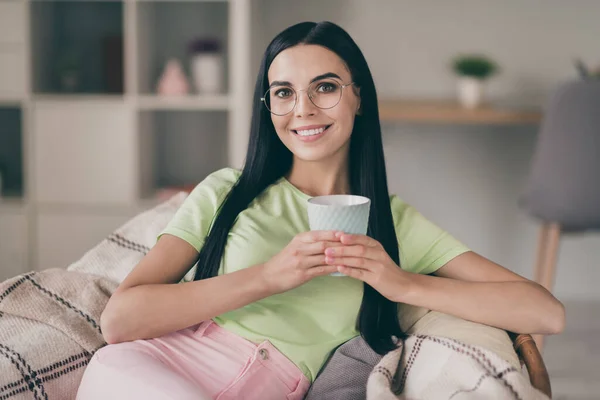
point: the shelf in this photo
(151, 102)
(12, 205)
(79, 98)
(180, 148)
(181, 1)
(164, 32)
(450, 112)
(77, 46)
(10, 102)
(11, 153)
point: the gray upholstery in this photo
(564, 181)
(345, 375)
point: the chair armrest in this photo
(530, 356)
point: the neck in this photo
(320, 178)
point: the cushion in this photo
(433, 323)
(563, 184)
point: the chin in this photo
(312, 156)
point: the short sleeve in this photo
(424, 247)
(194, 218)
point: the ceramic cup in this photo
(345, 213)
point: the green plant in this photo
(474, 66)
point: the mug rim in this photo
(364, 200)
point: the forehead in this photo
(299, 64)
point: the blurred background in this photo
(108, 107)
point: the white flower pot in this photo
(207, 72)
(470, 92)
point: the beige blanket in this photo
(434, 367)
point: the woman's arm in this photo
(474, 288)
(469, 286)
(150, 302)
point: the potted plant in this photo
(206, 65)
(473, 70)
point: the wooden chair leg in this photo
(545, 266)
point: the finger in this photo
(321, 270)
(356, 273)
(318, 236)
(312, 261)
(354, 262)
(372, 253)
(317, 247)
(358, 239)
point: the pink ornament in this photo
(173, 80)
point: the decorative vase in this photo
(173, 81)
(470, 92)
(206, 69)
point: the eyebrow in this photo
(316, 78)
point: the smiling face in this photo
(309, 132)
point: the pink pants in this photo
(201, 362)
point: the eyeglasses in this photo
(324, 94)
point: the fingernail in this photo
(329, 252)
(329, 260)
(339, 234)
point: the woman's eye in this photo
(283, 93)
(326, 87)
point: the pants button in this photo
(264, 354)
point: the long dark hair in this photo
(267, 160)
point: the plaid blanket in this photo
(434, 367)
(50, 320)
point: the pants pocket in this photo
(301, 390)
(256, 382)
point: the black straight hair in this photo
(267, 160)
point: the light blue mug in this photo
(339, 212)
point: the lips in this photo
(311, 134)
(311, 130)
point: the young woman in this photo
(259, 314)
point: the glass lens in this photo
(325, 93)
(280, 100)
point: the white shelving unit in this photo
(84, 159)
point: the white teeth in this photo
(310, 132)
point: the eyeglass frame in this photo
(264, 99)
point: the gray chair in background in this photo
(563, 190)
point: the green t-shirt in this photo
(308, 322)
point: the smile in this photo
(312, 133)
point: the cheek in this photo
(345, 119)
(280, 124)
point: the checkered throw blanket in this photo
(433, 367)
(50, 320)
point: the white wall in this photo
(466, 179)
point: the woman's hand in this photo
(364, 258)
(300, 261)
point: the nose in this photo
(304, 107)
